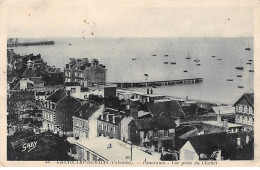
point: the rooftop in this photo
(86, 110)
(225, 141)
(119, 151)
(172, 108)
(57, 95)
(247, 96)
(220, 124)
(156, 123)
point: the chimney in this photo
(147, 91)
(225, 123)
(219, 116)
(239, 142)
(151, 91)
(114, 121)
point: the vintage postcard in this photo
(129, 83)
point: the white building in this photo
(104, 149)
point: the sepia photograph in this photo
(128, 83)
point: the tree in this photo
(49, 147)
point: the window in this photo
(102, 126)
(155, 133)
(77, 122)
(166, 132)
(114, 130)
(88, 156)
(94, 157)
(76, 74)
(80, 123)
(243, 108)
(73, 90)
(107, 128)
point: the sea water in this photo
(142, 59)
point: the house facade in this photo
(85, 120)
(49, 110)
(109, 123)
(84, 72)
(244, 111)
(157, 133)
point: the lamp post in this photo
(129, 142)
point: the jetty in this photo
(158, 83)
(13, 42)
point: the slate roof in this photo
(155, 123)
(68, 105)
(57, 95)
(86, 110)
(171, 108)
(118, 118)
(211, 142)
(248, 96)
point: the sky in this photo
(46, 18)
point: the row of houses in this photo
(148, 121)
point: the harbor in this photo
(158, 83)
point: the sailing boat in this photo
(196, 60)
(248, 48)
(188, 57)
(240, 67)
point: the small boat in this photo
(229, 79)
(145, 74)
(249, 63)
(133, 58)
(250, 60)
(198, 64)
(196, 60)
(185, 71)
(219, 59)
(166, 62)
(240, 86)
(188, 57)
(240, 68)
(251, 71)
(213, 56)
(248, 48)
(239, 75)
(154, 55)
(173, 62)
(165, 55)
(69, 44)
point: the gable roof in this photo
(249, 97)
(68, 105)
(86, 110)
(171, 108)
(155, 123)
(211, 142)
(57, 95)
